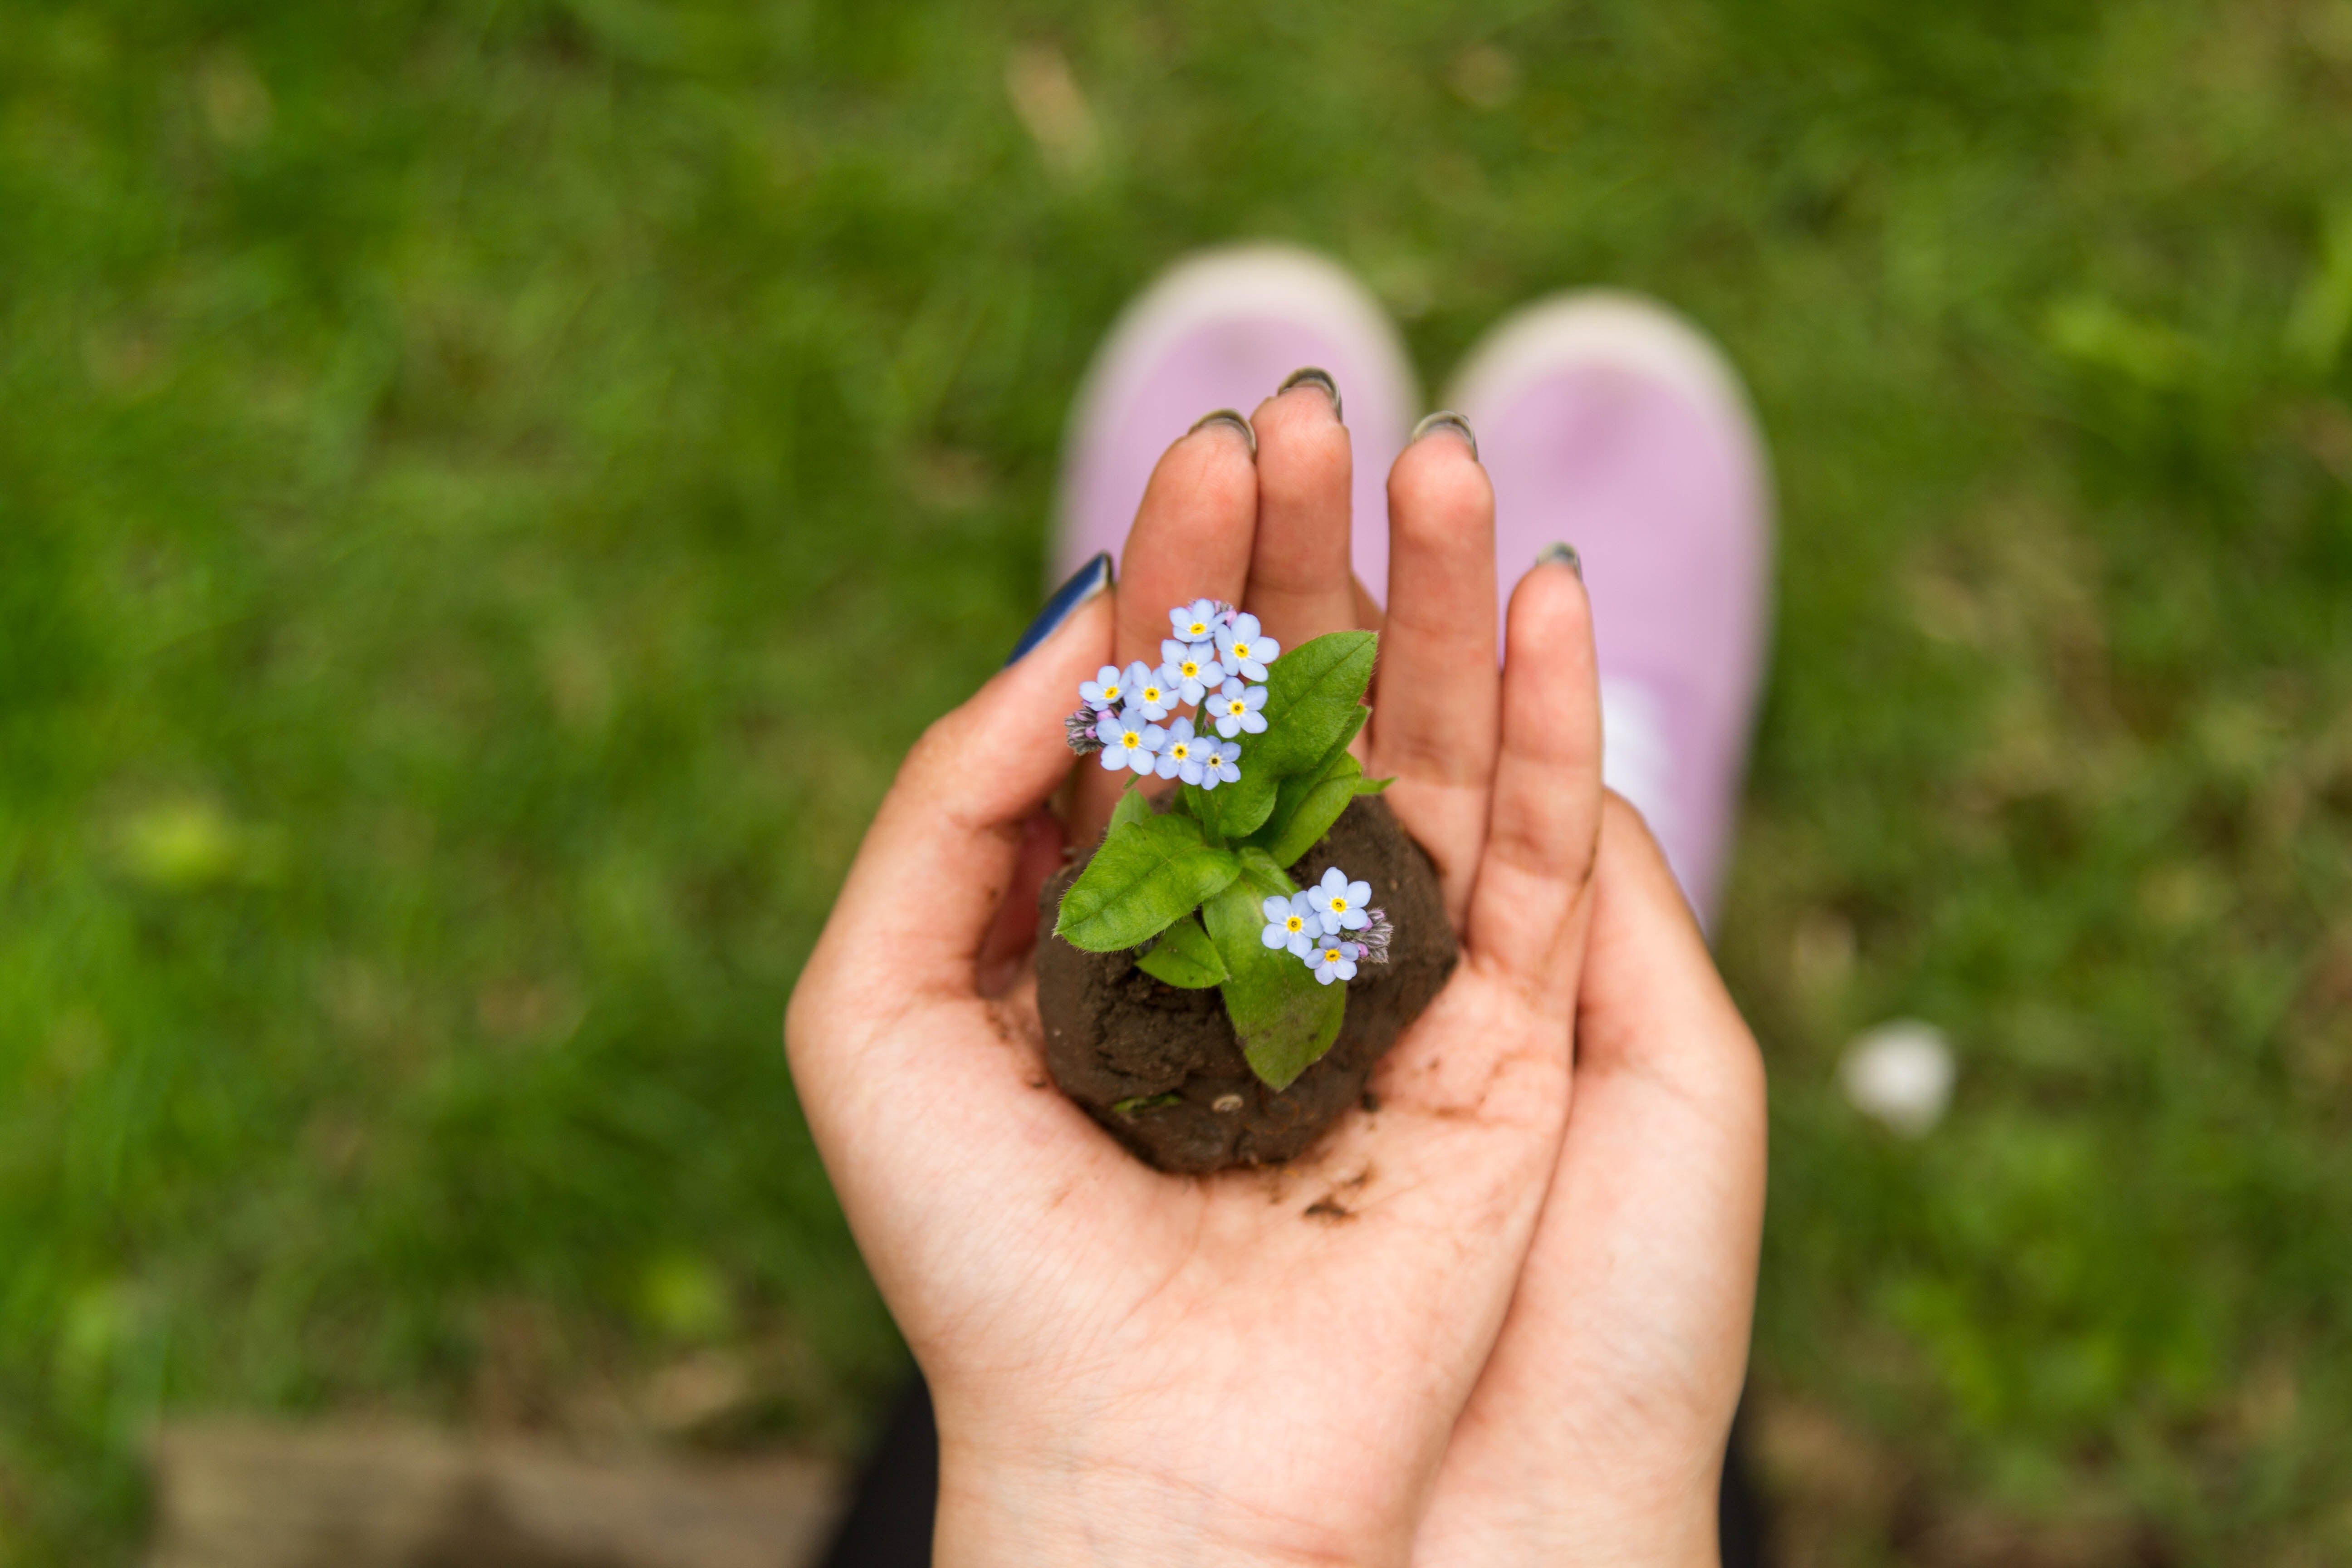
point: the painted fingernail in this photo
(1227, 416)
(1446, 419)
(1561, 553)
(1085, 582)
(1311, 375)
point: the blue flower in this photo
(1199, 621)
(1190, 668)
(1243, 649)
(1182, 753)
(1129, 740)
(1148, 692)
(1333, 959)
(1220, 763)
(1106, 691)
(1290, 923)
(1340, 902)
(1236, 710)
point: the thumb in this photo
(945, 845)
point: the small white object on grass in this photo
(1901, 1074)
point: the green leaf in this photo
(1184, 956)
(1133, 806)
(1260, 871)
(1286, 1020)
(1375, 786)
(1148, 875)
(1307, 806)
(1290, 791)
(1241, 808)
(1314, 700)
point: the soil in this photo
(1114, 1034)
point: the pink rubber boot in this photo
(1606, 421)
(1222, 329)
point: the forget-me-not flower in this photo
(1079, 729)
(1182, 753)
(1340, 902)
(1106, 691)
(1236, 710)
(1220, 763)
(1291, 923)
(1190, 668)
(1333, 959)
(1244, 649)
(1149, 691)
(1129, 740)
(1375, 936)
(1198, 621)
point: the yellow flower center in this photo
(1293, 924)
(1110, 693)
(1241, 650)
(1151, 694)
(1199, 629)
(1338, 906)
(1190, 668)
(1330, 956)
(1180, 750)
(1131, 741)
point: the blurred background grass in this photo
(487, 490)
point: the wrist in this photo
(1044, 1506)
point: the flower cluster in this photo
(1209, 662)
(1330, 927)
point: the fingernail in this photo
(1446, 419)
(1311, 375)
(1085, 582)
(1227, 416)
(1561, 553)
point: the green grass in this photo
(487, 491)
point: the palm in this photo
(1197, 1327)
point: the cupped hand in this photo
(1259, 1366)
(1596, 1431)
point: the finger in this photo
(1190, 541)
(1647, 961)
(1434, 712)
(1300, 582)
(936, 864)
(1546, 813)
(1004, 955)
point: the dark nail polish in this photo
(1446, 419)
(1227, 416)
(1311, 375)
(1561, 553)
(1086, 582)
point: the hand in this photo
(1596, 1432)
(1133, 1366)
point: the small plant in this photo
(1204, 888)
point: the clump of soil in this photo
(1114, 1036)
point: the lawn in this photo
(487, 490)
